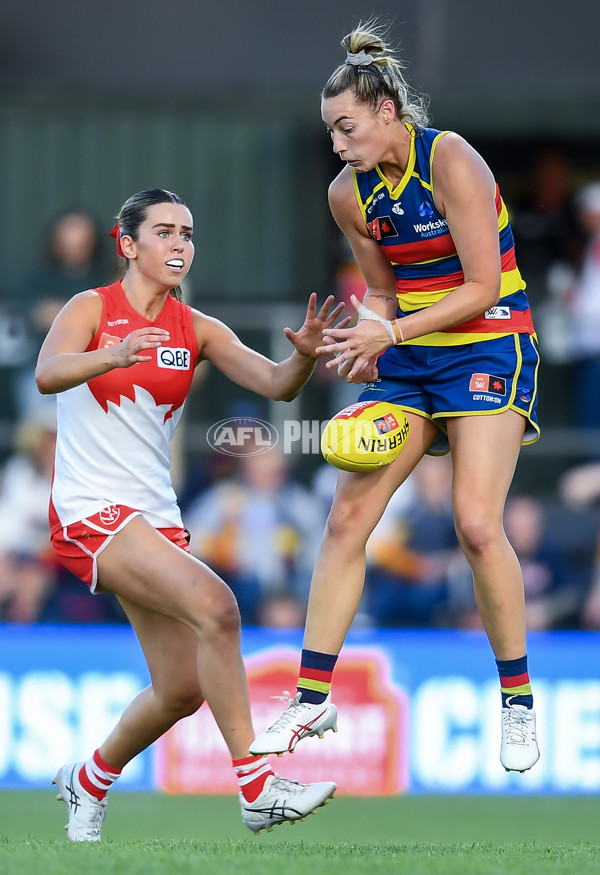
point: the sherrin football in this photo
(365, 436)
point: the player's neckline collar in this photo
(396, 191)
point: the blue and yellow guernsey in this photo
(415, 237)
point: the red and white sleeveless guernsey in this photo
(114, 432)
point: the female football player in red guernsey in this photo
(121, 360)
(445, 331)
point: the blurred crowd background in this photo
(221, 104)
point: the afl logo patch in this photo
(176, 358)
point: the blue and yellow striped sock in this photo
(514, 682)
(314, 681)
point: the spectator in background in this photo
(584, 312)
(27, 569)
(580, 491)
(281, 610)
(70, 261)
(549, 242)
(590, 615)
(259, 530)
(544, 220)
(411, 549)
(34, 586)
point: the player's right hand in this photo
(136, 346)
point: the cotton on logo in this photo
(242, 436)
(109, 515)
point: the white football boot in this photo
(519, 749)
(86, 813)
(284, 801)
(298, 721)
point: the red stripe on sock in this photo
(104, 766)
(243, 768)
(88, 786)
(246, 761)
(514, 681)
(316, 674)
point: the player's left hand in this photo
(310, 336)
(359, 344)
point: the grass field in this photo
(150, 834)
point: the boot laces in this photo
(515, 726)
(294, 706)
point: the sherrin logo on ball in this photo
(365, 436)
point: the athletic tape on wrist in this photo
(365, 313)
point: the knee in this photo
(348, 521)
(180, 702)
(477, 531)
(219, 613)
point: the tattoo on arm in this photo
(382, 297)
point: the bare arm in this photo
(63, 361)
(374, 266)
(377, 272)
(279, 381)
(464, 192)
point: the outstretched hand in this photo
(360, 346)
(310, 335)
(136, 346)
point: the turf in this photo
(150, 833)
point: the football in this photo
(365, 436)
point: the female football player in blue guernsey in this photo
(445, 331)
(121, 360)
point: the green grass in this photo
(151, 834)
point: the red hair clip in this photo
(116, 233)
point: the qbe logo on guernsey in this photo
(176, 358)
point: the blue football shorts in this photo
(471, 379)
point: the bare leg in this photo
(153, 577)
(338, 578)
(171, 651)
(485, 450)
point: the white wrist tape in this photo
(365, 313)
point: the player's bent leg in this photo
(141, 566)
(188, 625)
(339, 574)
(171, 652)
(170, 649)
(338, 581)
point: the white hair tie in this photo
(359, 59)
